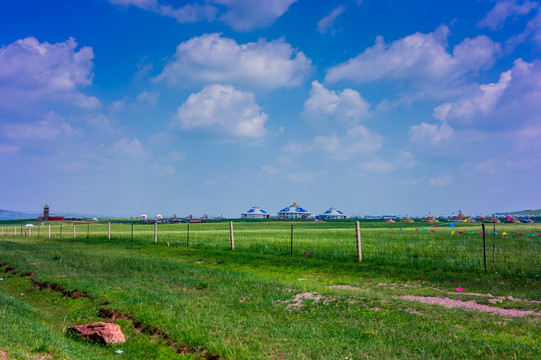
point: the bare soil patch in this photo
(300, 300)
(470, 305)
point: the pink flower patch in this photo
(459, 288)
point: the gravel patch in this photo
(470, 305)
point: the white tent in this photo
(332, 213)
(255, 213)
(29, 225)
(293, 211)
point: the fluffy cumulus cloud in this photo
(130, 149)
(211, 58)
(505, 9)
(223, 109)
(532, 32)
(441, 181)
(8, 149)
(241, 15)
(327, 22)
(417, 56)
(188, 13)
(432, 133)
(516, 95)
(358, 140)
(32, 72)
(483, 101)
(52, 126)
(347, 104)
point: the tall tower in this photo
(46, 211)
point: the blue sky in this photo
(124, 107)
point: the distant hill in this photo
(523, 213)
(14, 215)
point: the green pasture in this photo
(199, 295)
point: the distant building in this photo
(293, 211)
(332, 213)
(47, 216)
(255, 213)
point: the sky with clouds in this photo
(124, 107)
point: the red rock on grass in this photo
(103, 333)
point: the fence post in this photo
(132, 231)
(358, 237)
(109, 230)
(74, 231)
(49, 231)
(188, 235)
(2, 231)
(38, 230)
(156, 232)
(484, 248)
(29, 231)
(493, 240)
(15, 231)
(291, 251)
(231, 235)
(61, 231)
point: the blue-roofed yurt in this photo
(332, 213)
(293, 211)
(255, 213)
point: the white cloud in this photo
(188, 13)
(129, 148)
(149, 98)
(505, 9)
(32, 72)
(211, 58)
(241, 15)
(482, 101)
(441, 181)
(357, 141)
(8, 149)
(327, 22)
(377, 165)
(51, 127)
(164, 170)
(222, 108)
(431, 132)
(244, 15)
(347, 104)
(419, 57)
(531, 32)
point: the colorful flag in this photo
(452, 225)
(452, 233)
(504, 233)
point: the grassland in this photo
(196, 298)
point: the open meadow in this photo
(289, 290)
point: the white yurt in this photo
(255, 213)
(332, 213)
(144, 217)
(159, 217)
(293, 211)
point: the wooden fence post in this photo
(188, 235)
(49, 231)
(74, 231)
(358, 236)
(2, 231)
(156, 232)
(231, 235)
(15, 231)
(109, 230)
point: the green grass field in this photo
(196, 298)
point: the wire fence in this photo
(513, 249)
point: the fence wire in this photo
(514, 249)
